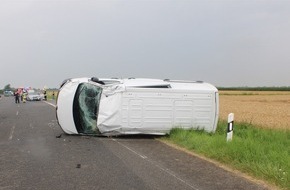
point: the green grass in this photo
(50, 96)
(262, 153)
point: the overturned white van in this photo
(92, 106)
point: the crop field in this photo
(269, 109)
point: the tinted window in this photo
(86, 108)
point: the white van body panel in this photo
(64, 107)
(146, 106)
(136, 111)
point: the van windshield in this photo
(86, 108)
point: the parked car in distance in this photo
(34, 96)
(8, 93)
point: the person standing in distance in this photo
(45, 96)
(16, 94)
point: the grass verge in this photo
(262, 153)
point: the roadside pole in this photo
(230, 127)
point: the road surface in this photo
(35, 154)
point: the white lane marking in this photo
(157, 165)
(17, 113)
(50, 104)
(11, 133)
(142, 156)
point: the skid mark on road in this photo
(166, 170)
(11, 133)
(52, 125)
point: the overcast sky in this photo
(223, 42)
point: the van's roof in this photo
(159, 83)
(152, 83)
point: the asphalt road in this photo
(35, 154)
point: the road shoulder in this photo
(222, 166)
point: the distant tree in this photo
(7, 87)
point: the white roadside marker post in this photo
(230, 127)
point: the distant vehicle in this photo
(33, 96)
(8, 93)
(92, 106)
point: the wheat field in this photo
(269, 109)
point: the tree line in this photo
(9, 88)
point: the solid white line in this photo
(172, 174)
(142, 156)
(157, 165)
(50, 104)
(11, 133)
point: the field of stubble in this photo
(269, 109)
